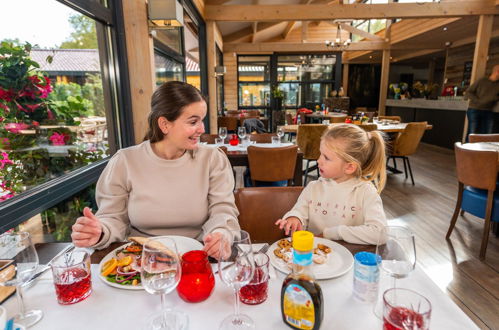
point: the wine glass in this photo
(222, 133)
(280, 132)
(397, 249)
(241, 132)
(236, 266)
(160, 274)
(19, 248)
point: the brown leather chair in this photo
(209, 138)
(369, 127)
(272, 164)
(406, 144)
(484, 138)
(260, 207)
(233, 112)
(308, 139)
(390, 118)
(224, 149)
(477, 169)
(229, 122)
(262, 137)
(253, 113)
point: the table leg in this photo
(298, 178)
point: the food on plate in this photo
(153, 244)
(284, 251)
(124, 267)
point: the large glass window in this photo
(167, 69)
(254, 82)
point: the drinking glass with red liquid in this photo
(255, 292)
(72, 279)
(197, 281)
(405, 309)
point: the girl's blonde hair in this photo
(366, 149)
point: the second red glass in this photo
(197, 281)
(255, 292)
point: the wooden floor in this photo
(427, 208)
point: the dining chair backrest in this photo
(476, 168)
(233, 112)
(262, 137)
(209, 138)
(289, 119)
(484, 138)
(260, 207)
(368, 127)
(224, 149)
(308, 139)
(390, 118)
(229, 122)
(272, 164)
(407, 142)
(337, 119)
(253, 113)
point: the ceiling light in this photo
(445, 28)
(165, 13)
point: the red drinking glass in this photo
(71, 272)
(234, 141)
(405, 309)
(197, 281)
(255, 292)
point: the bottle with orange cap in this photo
(301, 296)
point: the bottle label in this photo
(298, 307)
(302, 259)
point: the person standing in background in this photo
(483, 95)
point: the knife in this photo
(43, 269)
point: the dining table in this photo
(108, 307)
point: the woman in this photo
(168, 184)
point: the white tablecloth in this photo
(111, 308)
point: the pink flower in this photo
(58, 139)
(15, 127)
(50, 115)
(5, 160)
(33, 107)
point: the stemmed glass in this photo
(280, 132)
(241, 132)
(222, 133)
(397, 249)
(236, 266)
(19, 248)
(160, 274)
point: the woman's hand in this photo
(212, 244)
(290, 225)
(86, 230)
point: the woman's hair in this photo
(168, 101)
(366, 149)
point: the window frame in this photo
(116, 86)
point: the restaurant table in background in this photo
(332, 116)
(112, 308)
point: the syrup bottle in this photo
(301, 297)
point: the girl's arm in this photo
(374, 222)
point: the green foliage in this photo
(84, 35)
(73, 106)
(15, 65)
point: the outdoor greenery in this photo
(83, 36)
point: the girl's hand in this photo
(290, 225)
(86, 230)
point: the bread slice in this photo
(152, 244)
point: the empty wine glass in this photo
(236, 266)
(397, 249)
(241, 132)
(160, 275)
(222, 133)
(19, 248)
(280, 132)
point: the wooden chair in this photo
(476, 174)
(253, 113)
(233, 112)
(272, 164)
(308, 140)
(484, 138)
(262, 137)
(209, 138)
(260, 207)
(406, 144)
(229, 122)
(369, 127)
(390, 118)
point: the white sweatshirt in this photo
(351, 211)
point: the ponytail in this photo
(366, 149)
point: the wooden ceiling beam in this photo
(215, 2)
(245, 33)
(300, 47)
(360, 32)
(279, 13)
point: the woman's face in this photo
(184, 132)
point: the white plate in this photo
(339, 261)
(184, 244)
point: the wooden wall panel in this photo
(230, 80)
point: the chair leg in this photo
(405, 167)
(486, 226)
(394, 163)
(410, 170)
(306, 173)
(456, 210)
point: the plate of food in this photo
(330, 259)
(120, 268)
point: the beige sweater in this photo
(189, 196)
(351, 211)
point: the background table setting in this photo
(110, 307)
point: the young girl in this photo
(344, 204)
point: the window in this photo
(254, 82)
(167, 69)
(59, 119)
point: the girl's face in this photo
(184, 132)
(331, 166)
